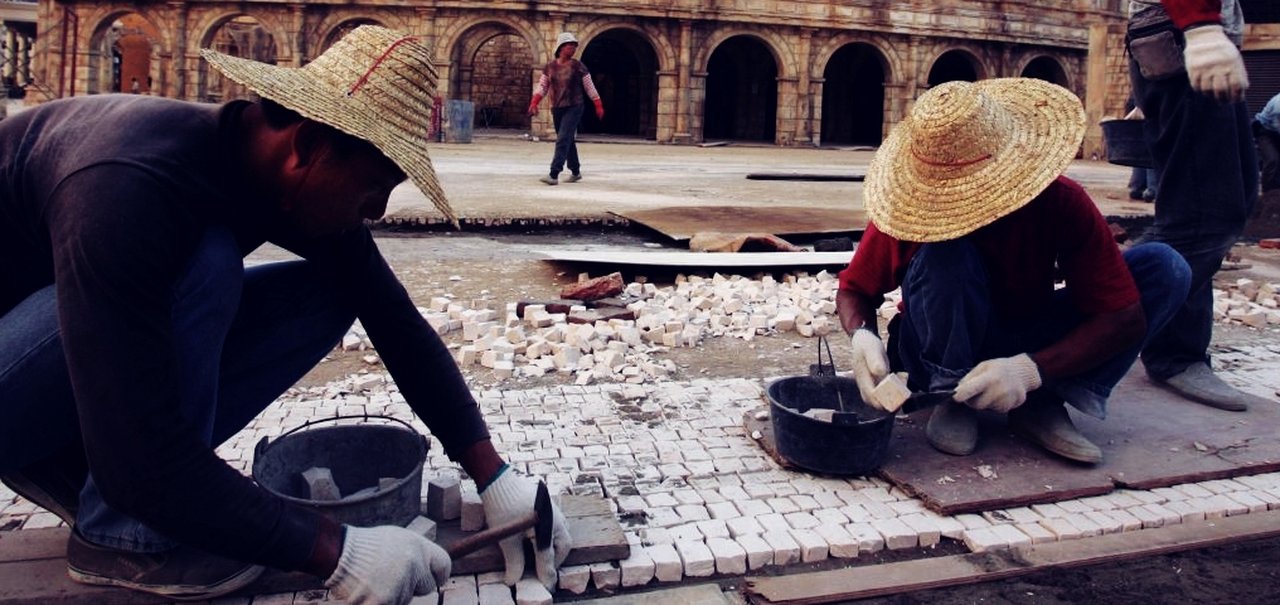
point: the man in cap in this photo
(1189, 80)
(567, 81)
(134, 340)
(971, 216)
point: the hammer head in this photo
(544, 525)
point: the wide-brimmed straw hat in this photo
(970, 153)
(375, 84)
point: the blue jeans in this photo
(949, 324)
(1207, 162)
(566, 120)
(242, 337)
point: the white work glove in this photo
(509, 497)
(1214, 64)
(387, 564)
(999, 384)
(870, 364)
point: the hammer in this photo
(541, 520)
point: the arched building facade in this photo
(789, 72)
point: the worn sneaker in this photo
(1046, 423)
(1198, 383)
(953, 429)
(182, 573)
(52, 484)
(550, 180)
(573, 178)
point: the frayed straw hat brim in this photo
(361, 86)
(1037, 134)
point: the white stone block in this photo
(444, 498)
(984, 539)
(896, 533)
(638, 569)
(869, 540)
(472, 511)
(667, 565)
(424, 527)
(730, 557)
(530, 591)
(785, 549)
(812, 546)
(496, 594)
(927, 531)
(604, 576)
(840, 543)
(759, 553)
(697, 559)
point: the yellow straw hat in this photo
(970, 153)
(375, 84)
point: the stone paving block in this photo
(1146, 497)
(1128, 521)
(927, 532)
(1037, 533)
(472, 511)
(825, 500)
(906, 507)
(723, 510)
(461, 590)
(879, 510)
(638, 569)
(667, 566)
(1098, 502)
(1074, 506)
(575, 578)
(896, 533)
(1263, 481)
(840, 543)
(1105, 521)
(1271, 498)
(1166, 516)
(697, 559)
(423, 527)
(856, 513)
(688, 496)
(801, 520)
(687, 532)
(1186, 511)
(1011, 535)
(1223, 486)
(1168, 494)
(869, 540)
(605, 576)
(949, 527)
(1062, 528)
(759, 553)
(1249, 501)
(730, 557)
(444, 498)
(713, 528)
(830, 516)
(1086, 525)
(782, 506)
(753, 508)
(785, 549)
(285, 598)
(805, 502)
(530, 591)
(984, 539)
(773, 522)
(661, 499)
(496, 594)
(812, 546)
(656, 535)
(973, 521)
(741, 526)
(1191, 490)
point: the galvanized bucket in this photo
(360, 456)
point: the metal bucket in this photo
(856, 442)
(359, 456)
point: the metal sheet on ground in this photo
(33, 569)
(681, 222)
(1151, 438)
(699, 259)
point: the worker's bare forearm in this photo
(855, 310)
(1094, 341)
(481, 462)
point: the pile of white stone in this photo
(695, 308)
(1248, 302)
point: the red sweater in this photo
(1186, 13)
(1061, 227)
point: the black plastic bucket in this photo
(359, 456)
(856, 442)
(1127, 143)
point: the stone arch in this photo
(241, 35)
(124, 45)
(741, 99)
(490, 62)
(853, 95)
(956, 63)
(770, 37)
(624, 65)
(335, 32)
(1046, 67)
(453, 34)
(661, 44)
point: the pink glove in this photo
(1214, 64)
(999, 384)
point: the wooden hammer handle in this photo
(481, 539)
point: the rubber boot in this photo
(953, 429)
(1045, 422)
(1198, 383)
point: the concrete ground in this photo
(697, 498)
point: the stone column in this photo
(24, 60)
(668, 106)
(179, 52)
(10, 54)
(1095, 98)
(683, 109)
(804, 109)
(786, 122)
(297, 32)
(816, 90)
(697, 104)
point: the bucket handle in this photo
(820, 369)
(263, 443)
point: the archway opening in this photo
(121, 59)
(241, 36)
(624, 68)
(953, 65)
(1047, 69)
(853, 96)
(491, 66)
(742, 91)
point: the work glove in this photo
(1214, 64)
(533, 105)
(387, 564)
(1135, 114)
(870, 364)
(509, 497)
(999, 384)
(599, 109)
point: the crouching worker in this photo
(133, 340)
(971, 216)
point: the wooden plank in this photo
(33, 569)
(909, 576)
(681, 222)
(687, 258)
(818, 177)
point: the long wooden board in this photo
(700, 259)
(681, 222)
(923, 574)
(33, 568)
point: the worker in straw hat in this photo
(972, 218)
(568, 82)
(133, 340)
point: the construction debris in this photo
(1248, 302)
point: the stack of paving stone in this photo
(695, 308)
(1248, 302)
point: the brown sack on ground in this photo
(595, 288)
(714, 241)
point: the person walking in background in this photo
(568, 83)
(1189, 80)
(1266, 129)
